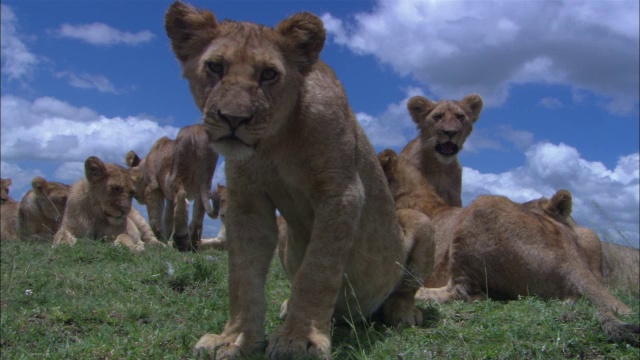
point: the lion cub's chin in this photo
(233, 150)
(446, 159)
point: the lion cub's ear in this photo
(388, 160)
(132, 159)
(560, 204)
(6, 182)
(419, 107)
(39, 185)
(473, 104)
(94, 169)
(304, 37)
(189, 29)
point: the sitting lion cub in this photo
(283, 123)
(41, 209)
(444, 127)
(8, 212)
(501, 249)
(99, 207)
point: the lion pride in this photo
(503, 250)
(281, 119)
(99, 207)
(172, 172)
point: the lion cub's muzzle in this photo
(447, 148)
(226, 126)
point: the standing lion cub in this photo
(99, 207)
(283, 123)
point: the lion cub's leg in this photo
(197, 219)
(418, 245)
(180, 233)
(140, 226)
(167, 219)
(64, 237)
(155, 206)
(130, 242)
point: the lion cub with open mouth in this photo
(283, 123)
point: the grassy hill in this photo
(97, 301)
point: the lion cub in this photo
(444, 127)
(8, 212)
(173, 172)
(281, 119)
(99, 207)
(41, 209)
(500, 249)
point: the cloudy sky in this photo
(559, 80)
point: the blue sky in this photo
(560, 81)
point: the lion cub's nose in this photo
(234, 121)
(450, 133)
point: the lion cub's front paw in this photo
(212, 346)
(292, 343)
(64, 237)
(401, 311)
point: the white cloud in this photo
(88, 81)
(17, 60)
(70, 172)
(103, 34)
(458, 47)
(20, 178)
(605, 200)
(48, 129)
(550, 103)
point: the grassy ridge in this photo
(96, 301)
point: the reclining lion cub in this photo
(41, 209)
(172, 172)
(502, 249)
(99, 207)
(282, 120)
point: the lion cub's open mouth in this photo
(447, 149)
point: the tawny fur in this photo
(173, 171)
(446, 125)
(500, 249)
(291, 142)
(443, 127)
(219, 204)
(4, 192)
(99, 207)
(8, 212)
(41, 209)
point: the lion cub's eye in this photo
(116, 189)
(437, 117)
(215, 67)
(460, 116)
(268, 75)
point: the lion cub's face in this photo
(445, 125)
(110, 188)
(51, 197)
(245, 78)
(4, 190)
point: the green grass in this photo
(96, 301)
